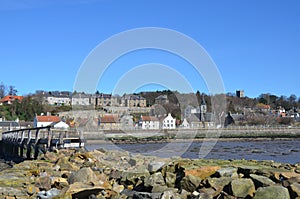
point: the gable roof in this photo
(44, 118)
(109, 119)
(149, 118)
(8, 98)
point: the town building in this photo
(133, 101)
(102, 100)
(81, 99)
(45, 120)
(185, 124)
(169, 122)
(58, 98)
(109, 122)
(149, 122)
(9, 99)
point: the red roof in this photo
(8, 98)
(44, 118)
(109, 119)
(149, 118)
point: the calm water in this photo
(287, 151)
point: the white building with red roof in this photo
(149, 122)
(9, 99)
(45, 120)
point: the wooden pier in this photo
(30, 142)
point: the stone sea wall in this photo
(70, 174)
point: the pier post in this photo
(28, 145)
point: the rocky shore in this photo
(103, 174)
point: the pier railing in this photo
(32, 141)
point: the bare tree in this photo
(2, 90)
(12, 90)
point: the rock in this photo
(155, 166)
(133, 176)
(59, 183)
(154, 179)
(132, 161)
(207, 193)
(48, 194)
(242, 187)
(219, 183)
(170, 179)
(159, 189)
(227, 172)
(273, 191)
(261, 181)
(84, 175)
(170, 195)
(43, 183)
(202, 172)
(247, 170)
(10, 191)
(288, 175)
(190, 183)
(295, 190)
(31, 190)
(184, 194)
(117, 188)
(81, 190)
(146, 195)
(65, 165)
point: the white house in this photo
(81, 99)
(58, 100)
(185, 124)
(43, 120)
(149, 122)
(169, 122)
(61, 125)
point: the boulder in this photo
(81, 190)
(227, 172)
(48, 194)
(159, 189)
(219, 183)
(190, 183)
(43, 183)
(170, 194)
(261, 181)
(207, 193)
(170, 179)
(202, 172)
(155, 166)
(84, 175)
(65, 165)
(154, 179)
(295, 190)
(242, 187)
(131, 177)
(273, 191)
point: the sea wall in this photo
(255, 132)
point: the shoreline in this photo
(125, 141)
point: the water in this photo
(287, 151)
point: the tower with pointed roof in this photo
(203, 109)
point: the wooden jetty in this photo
(30, 142)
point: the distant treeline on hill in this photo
(256, 110)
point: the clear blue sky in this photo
(254, 43)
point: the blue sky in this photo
(254, 43)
